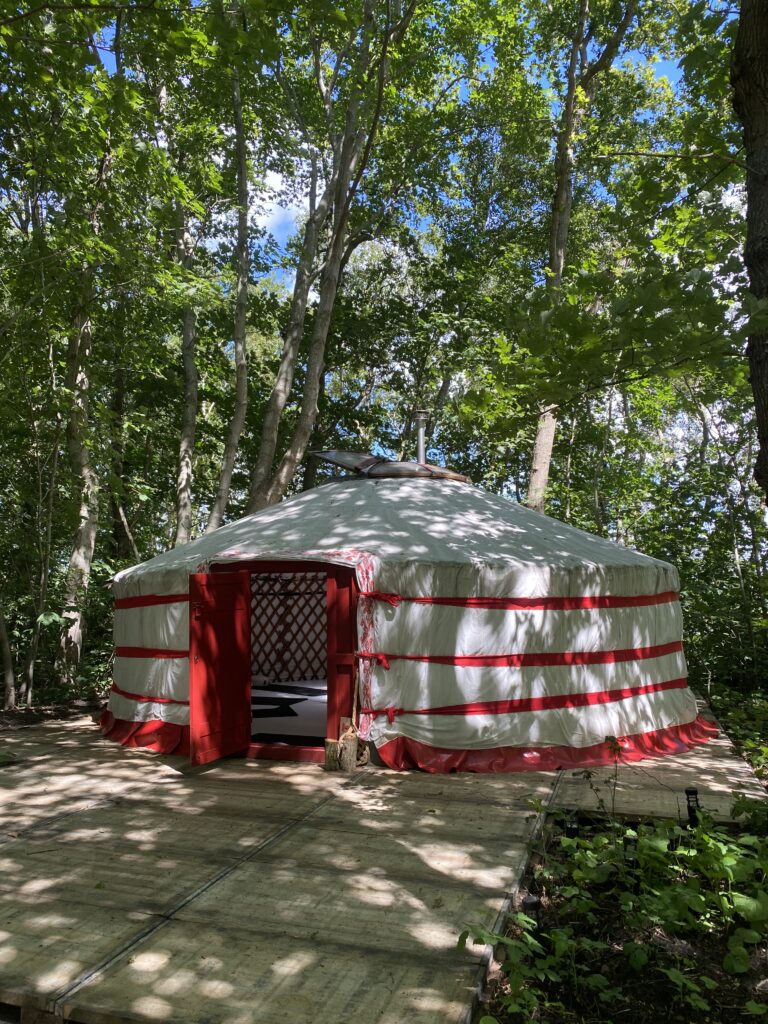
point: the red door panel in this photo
(342, 642)
(219, 665)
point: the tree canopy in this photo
(236, 231)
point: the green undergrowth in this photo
(657, 922)
(743, 714)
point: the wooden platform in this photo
(133, 888)
(656, 787)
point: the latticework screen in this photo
(289, 627)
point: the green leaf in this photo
(752, 908)
(736, 962)
(637, 955)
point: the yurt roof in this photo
(425, 521)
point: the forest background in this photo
(233, 233)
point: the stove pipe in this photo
(420, 419)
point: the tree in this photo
(749, 75)
(586, 66)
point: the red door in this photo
(219, 665)
(342, 643)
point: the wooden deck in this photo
(656, 787)
(133, 888)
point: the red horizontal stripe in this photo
(561, 604)
(149, 652)
(143, 698)
(546, 703)
(402, 753)
(538, 660)
(149, 599)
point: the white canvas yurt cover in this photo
(489, 637)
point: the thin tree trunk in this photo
(241, 311)
(312, 465)
(541, 460)
(184, 507)
(281, 390)
(598, 469)
(329, 284)
(45, 570)
(749, 77)
(578, 85)
(560, 221)
(123, 543)
(79, 568)
(185, 254)
(77, 382)
(351, 153)
(746, 604)
(569, 469)
(9, 681)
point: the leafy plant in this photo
(624, 909)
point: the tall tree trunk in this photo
(79, 568)
(262, 472)
(581, 83)
(185, 254)
(9, 681)
(185, 246)
(46, 546)
(559, 225)
(329, 284)
(312, 465)
(541, 460)
(241, 311)
(749, 77)
(351, 151)
(123, 543)
(569, 469)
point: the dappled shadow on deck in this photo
(247, 892)
(134, 888)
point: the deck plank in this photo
(656, 787)
(134, 888)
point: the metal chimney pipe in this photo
(420, 419)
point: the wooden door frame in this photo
(341, 662)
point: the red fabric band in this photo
(402, 753)
(544, 659)
(150, 599)
(561, 604)
(144, 698)
(149, 652)
(548, 703)
(162, 737)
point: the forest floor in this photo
(48, 713)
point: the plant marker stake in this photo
(692, 802)
(630, 851)
(532, 908)
(632, 860)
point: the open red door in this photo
(219, 665)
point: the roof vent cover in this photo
(377, 467)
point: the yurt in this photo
(458, 630)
